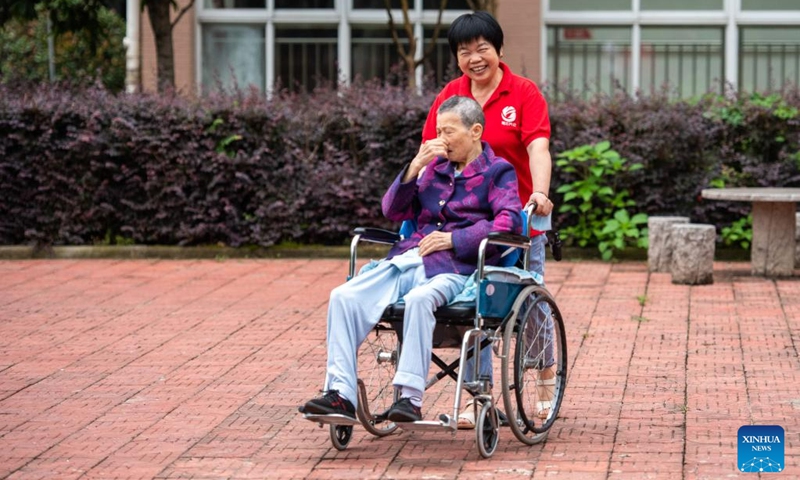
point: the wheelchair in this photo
(512, 312)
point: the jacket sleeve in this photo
(399, 202)
(503, 199)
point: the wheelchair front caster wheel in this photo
(487, 429)
(341, 435)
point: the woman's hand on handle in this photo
(543, 204)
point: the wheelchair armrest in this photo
(508, 239)
(377, 235)
(369, 234)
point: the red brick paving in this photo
(194, 369)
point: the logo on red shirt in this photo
(509, 116)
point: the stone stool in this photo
(658, 251)
(692, 248)
(797, 240)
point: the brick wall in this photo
(184, 51)
(522, 25)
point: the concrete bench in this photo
(692, 246)
(773, 250)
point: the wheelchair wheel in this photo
(341, 435)
(534, 365)
(487, 429)
(377, 362)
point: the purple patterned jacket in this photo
(483, 199)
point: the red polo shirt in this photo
(516, 115)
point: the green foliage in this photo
(81, 55)
(223, 145)
(67, 15)
(733, 112)
(601, 208)
(739, 233)
(621, 231)
(112, 239)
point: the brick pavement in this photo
(194, 369)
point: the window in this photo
(374, 54)
(681, 4)
(577, 5)
(681, 44)
(589, 59)
(770, 5)
(440, 67)
(303, 3)
(235, 3)
(769, 58)
(305, 58)
(379, 4)
(233, 55)
(451, 5)
(282, 46)
(686, 61)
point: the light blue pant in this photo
(540, 315)
(356, 307)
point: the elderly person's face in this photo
(463, 142)
(478, 60)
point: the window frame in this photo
(342, 17)
(731, 18)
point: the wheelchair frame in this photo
(487, 414)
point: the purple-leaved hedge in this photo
(81, 166)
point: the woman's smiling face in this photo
(478, 60)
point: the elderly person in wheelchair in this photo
(458, 191)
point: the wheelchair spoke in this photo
(533, 365)
(377, 361)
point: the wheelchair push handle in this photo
(553, 236)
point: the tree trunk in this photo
(158, 11)
(411, 67)
(487, 5)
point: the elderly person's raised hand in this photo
(428, 152)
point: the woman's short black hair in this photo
(470, 26)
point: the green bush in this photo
(80, 56)
(598, 202)
(685, 146)
(739, 233)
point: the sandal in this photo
(466, 420)
(544, 389)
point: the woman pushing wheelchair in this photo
(458, 192)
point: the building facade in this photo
(689, 47)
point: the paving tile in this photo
(194, 369)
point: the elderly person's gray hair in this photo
(467, 109)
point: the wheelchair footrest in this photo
(331, 419)
(444, 423)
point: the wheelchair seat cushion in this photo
(462, 313)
